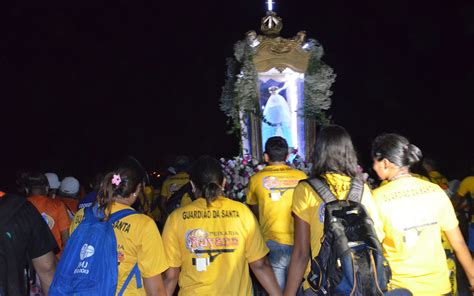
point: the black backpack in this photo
(350, 261)
(174, 201)
(9, 281)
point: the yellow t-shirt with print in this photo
(384, 182)
(138, 240)
(212, 245)
(173, 184)
(467, 187)
(309, 207)
(272, 190)
(414, 212)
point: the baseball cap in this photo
(53, 180)
(69, 186)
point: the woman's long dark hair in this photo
(207, 175)
(396, 149)
(334, 152)
(130, 173)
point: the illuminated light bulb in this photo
(305, 46)
(270, 5)
(255, 43)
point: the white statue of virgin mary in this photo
(276, 116)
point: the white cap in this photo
(53, 180)
(69, 186)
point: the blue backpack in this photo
(88, 265)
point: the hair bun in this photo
(414, 154)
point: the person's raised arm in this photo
(462, 253)
(154, 286)
(45, 266)
(171, 279)
(264, 273)
(299, 257)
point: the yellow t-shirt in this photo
(467, 186)
(309, 207)
(173, 184)
(414, 212)
(384, 182)
(444, 239)
(148, 200)
(185, 200)
(213, 246)
(138, 240)
(272, 190)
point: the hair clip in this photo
(116, 180)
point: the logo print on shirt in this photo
(204, 245)
(86, 251)
(278, 187)
(48, 219)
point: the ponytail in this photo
(413, 154)
(211, 191)
(207, 175)
(105, 196)
(396, 149)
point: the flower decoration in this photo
(238, 171)
(300, 164)
(116, 180)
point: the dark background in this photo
(86, 82)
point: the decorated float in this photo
(274, 86)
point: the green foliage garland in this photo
(318, 80)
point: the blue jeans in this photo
(279, 258)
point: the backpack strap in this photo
(120, 215)
(135, 272)
(356, 190)
(321, 189)
(92, 213)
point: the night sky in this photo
(87, 82)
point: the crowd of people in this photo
(186, 237)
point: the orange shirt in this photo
(71, 203)
(54, 214)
